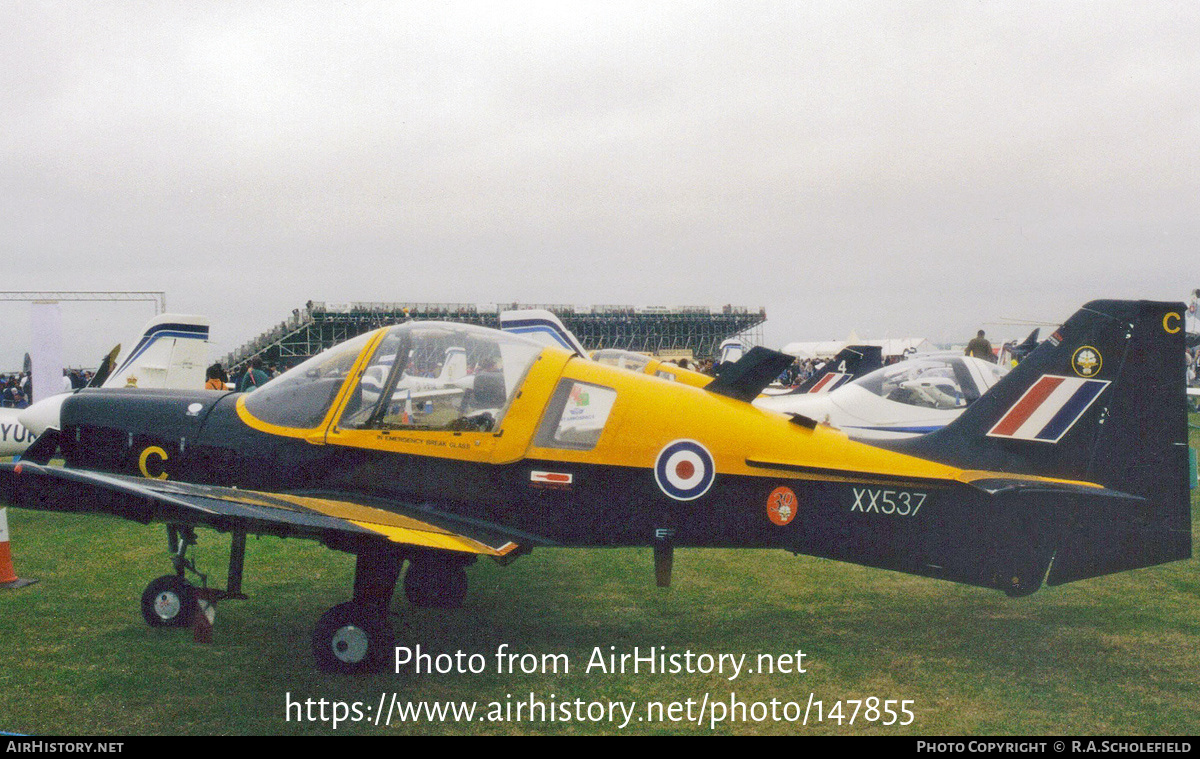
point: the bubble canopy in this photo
(428, 375)
(944, 382)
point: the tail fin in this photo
(745, 378)
(730, 351)
(542, 326)
(455, 364)
(172, 352)
(1102, 400)
(1025, 348)
(851, 362)
(1014, 353)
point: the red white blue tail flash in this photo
(830, 381)
(1049, 408)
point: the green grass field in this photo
(1112, 655)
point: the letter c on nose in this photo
(1168, 318)
(155, 451)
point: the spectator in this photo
(979, 347)
(213, 376)
(254, 377)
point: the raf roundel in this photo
(684, 470)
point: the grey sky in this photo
(895, 168)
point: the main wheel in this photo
(169, 601)
(350, 638)
(435, 584)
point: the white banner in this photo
(46, 349)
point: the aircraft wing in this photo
(1193, 391)
(339, 520)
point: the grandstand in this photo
(675, 330)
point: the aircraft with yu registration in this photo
(1073, 465)
(169, 354)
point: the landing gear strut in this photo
(352, 637)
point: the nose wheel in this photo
(169, 601)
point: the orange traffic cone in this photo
(8, 576)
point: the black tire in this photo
(435, 584)
(169, 601)
(350, 638)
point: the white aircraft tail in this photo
(542, 326)
(731, 350)
(455, 364)
(172, 353)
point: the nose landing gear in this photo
(172, 601)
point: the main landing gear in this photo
(356, 636)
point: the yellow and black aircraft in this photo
(1072, 466)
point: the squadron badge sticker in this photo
(781, 505)
(684, 470)
(1087, 361)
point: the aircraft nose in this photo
(43, 414)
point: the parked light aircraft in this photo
(1014, 353)
(850, 362)
(912, 397)
(1072, 466)
(170, 354)
(544, 327)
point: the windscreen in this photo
(300, 397)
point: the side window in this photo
(575, 416)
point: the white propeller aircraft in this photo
(171, 354)
(912, 397)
